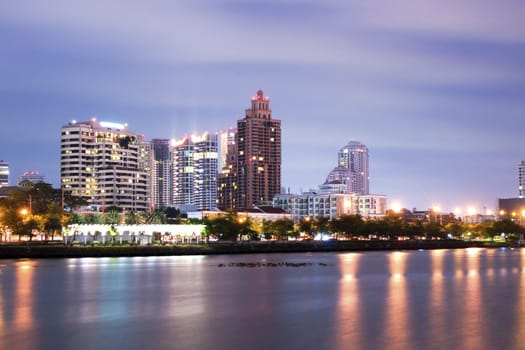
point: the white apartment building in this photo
(521, 179)
(352, 168)
(106, 164)
(4, 174)
(195, 170)
(330, 205)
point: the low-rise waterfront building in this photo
(330, 205)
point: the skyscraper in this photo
(161, 174)
(521, 179)
(227, 177)
(106, 164)
(258, 154)
(352, 168)
(4, 174)
(195, 171)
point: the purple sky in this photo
(435, 89)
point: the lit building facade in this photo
(105, 164)
(195, 168)
(352, 168)
(4, 174)
(330, 205)
(258, 154)
(227, 178)
(32, 176)
(161, 174)
(521, 179)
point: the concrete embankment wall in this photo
(39, 250)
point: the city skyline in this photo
(433, 90)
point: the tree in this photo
(132, 218)
(112, 217)
(321, 224)
(433, 230)
(224, 228)
(53, 220)
(172, 215)
(454, 228)
(348, 225)
(283, 228)
(507, 227)
(154, 217)
(306, 225)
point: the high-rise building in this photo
(161, 174)
(352, 168)
(227, 177)
(4, 174)
(195, 171)
(226, 146)
(105, 164)
(521, 179)
(32, 176)
(258, 154)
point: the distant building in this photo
(478, 218)
(352, 168)
(32, 176)
(511, 208)
(4, 174)
(226, 146)
(262, 213)
(105, 164)
(195, 171)
(521, 179)
(161, 174)
(227, 186)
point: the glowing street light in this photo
(396, 207)
(24, 211)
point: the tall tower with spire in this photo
(258, 154)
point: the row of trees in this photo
(37, 208)
(40, 209)
(392, 226)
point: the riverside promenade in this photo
(38, 250)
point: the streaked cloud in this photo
(426, 81)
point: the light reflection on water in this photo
(469, 299)
(397, 330)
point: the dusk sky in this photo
(435, 89)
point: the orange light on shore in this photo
(24, 211)
(396, 207)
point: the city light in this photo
(396, 207)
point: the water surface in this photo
(440, 299)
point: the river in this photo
(433, 299)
